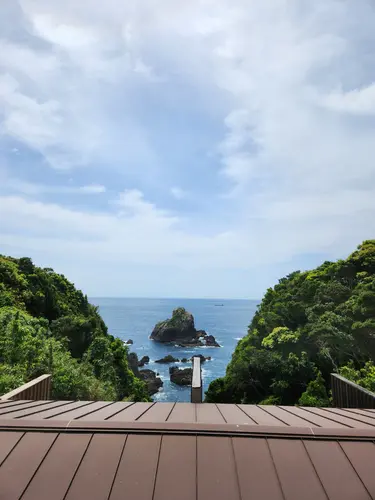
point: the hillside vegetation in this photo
(310, 324)
(47, 326)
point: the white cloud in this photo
(134, 207)
(91, 189)
(137, 232)
(357, 101)
(178, 193)
(31, 188)
(65, 35)
(280, 94)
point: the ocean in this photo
(135, 319)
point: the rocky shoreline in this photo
(179, 330)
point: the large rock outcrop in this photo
(180, 329)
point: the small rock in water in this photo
(181, 377)
(153, 382)
(203, 358)
(211, 341)
(128, 342)
(144, 361)
(167, 359)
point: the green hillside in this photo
(310, 324)
(47, 326)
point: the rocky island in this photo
(180, 330)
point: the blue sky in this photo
(190, 149)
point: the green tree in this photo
(47, 326)
(309, 323)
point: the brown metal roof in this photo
(284, 416)
(164, 451)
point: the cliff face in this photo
(310, 324)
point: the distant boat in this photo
(219, 305)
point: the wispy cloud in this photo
(260, 115)
(30, 188)
(178, 193)
(359, 101)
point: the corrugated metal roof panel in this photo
(178, 461)
(344, 419)
(48, 412)
(132, 413)
(41, 464)
(183, 412)
(23, 461)
(278, 416)
(232, 414)
(97, 471)
(136, 473)
(362, 458)
(257, 475)
(260, 416)
(340, 480)
(52, 450)
(55, 474)
(297, 476)
(216, 469)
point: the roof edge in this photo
(228, 430)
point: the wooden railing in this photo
(196, 384)
(37, 389)
(348, 394)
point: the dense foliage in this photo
(310, 324)
(47, 326)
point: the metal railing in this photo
(37, 389)
(348, 394)
(196, 383)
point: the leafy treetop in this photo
(310, 324)
(48, 326)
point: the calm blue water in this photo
(135, 319)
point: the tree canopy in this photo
(310, 324)
(48, 326)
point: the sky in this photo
(186, 149)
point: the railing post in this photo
(196, 384)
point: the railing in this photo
(196, 384)
(37, 389)
(348, 394)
